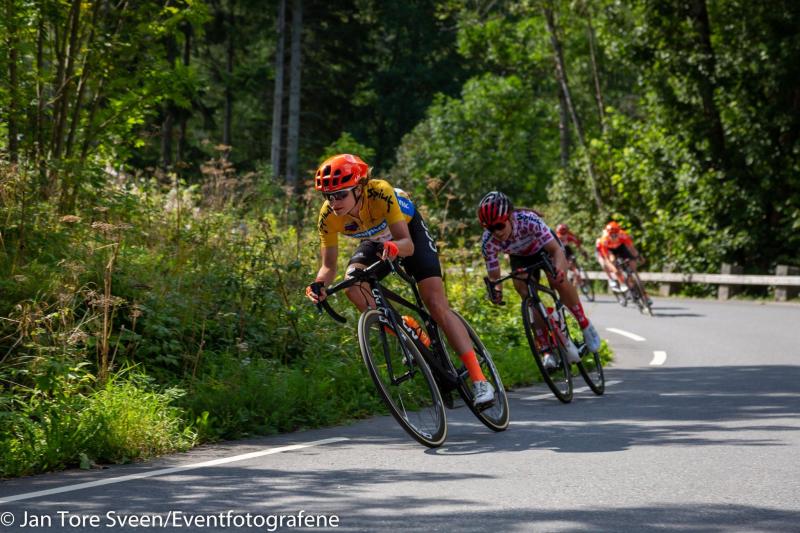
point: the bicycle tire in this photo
(496, 415)
(587, 288)
(643, 302)
(559, 380)
(591, 369)
(414, 398)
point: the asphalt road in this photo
(698, 431)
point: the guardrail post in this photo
(783, 293)
(665, 288)
(726, 291)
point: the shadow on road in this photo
(659, 314)
(692, 406)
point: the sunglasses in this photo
(496, 227)
(338, 195)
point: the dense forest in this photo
(156, 207)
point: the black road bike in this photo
(635, 292)
(415, 380)
(583, 283)
(557, 334)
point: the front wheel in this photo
(403, 379)
(558, 379)
(496, 415)
(643, 300)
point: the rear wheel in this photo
(591, 369)
(403, 379)
(495, 415)
(587, 289)
(559, 379)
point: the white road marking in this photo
(658, 358)
(164, 471)
(579, 389)
(628, 334)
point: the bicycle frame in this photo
(383, 296)
(534, 288)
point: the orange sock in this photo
(474, 369)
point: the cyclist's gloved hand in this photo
(390, 251)
(316, 292)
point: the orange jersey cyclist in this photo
(616, 243)
(524, 236)
(388, 225)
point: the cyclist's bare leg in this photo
(521, 287)
(617, 273)
(576, 275)
(433, 295)
(359, 294)
(432, 292)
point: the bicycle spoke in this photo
(403, 379)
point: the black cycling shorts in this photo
(423, 264)
(622, 251)
(522, 261)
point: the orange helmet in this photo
(340, 172)
(613, 227)
(562, 229)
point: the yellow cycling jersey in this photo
(383, 205)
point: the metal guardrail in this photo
(786, 283)
(711, 279)
(786, 280)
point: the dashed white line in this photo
(628, 334)
(659, 358)
(579, 389)
(164, 471)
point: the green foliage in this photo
(346, 144)
(62, 422)
(494, 137)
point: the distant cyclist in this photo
(568, 239)
(388, 225)
(616, 243)
(524, 236)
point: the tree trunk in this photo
(563, 128)
(277, 96)
(706, 74)
(39, 134)
(169, 109)
(13, 82)
(294, 96)
(184, 114)
(598, 92)
(226, 128)
(62, 103)
(85, 71)
(561, 75)
(89, 131)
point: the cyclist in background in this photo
(600, 254)
(388, 225)
(616, 243)
(568, 238)
(524, 236)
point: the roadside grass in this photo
(150, 323)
